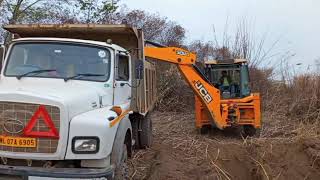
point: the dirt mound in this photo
(180, 152)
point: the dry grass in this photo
(292, 108)
(217, 155)
(173, 92)
(291, 116)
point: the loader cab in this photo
(231, 77)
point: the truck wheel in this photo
(135, 133)
(122, 170)
(145, 134)
(248, 130)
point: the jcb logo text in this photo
(204, 93)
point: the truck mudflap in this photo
(51, 173)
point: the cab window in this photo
(123, 73)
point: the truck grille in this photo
(21, 113)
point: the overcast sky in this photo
(295, 22)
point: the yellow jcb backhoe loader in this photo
(222, 95)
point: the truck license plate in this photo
(18, 141)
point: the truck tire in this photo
(122, 170)
(145, 135)
(248, 130)
(135, 133)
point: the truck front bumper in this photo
(51, 173)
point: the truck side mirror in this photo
(2, 54)
(139, 69)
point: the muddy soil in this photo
(180, 152)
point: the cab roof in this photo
(227, 61)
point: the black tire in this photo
(135, 133)
(205, 130)
(250, 131)
(122, 170)
(145, 135)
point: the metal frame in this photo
(2, 54)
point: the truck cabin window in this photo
(59, 60)
(123, 68)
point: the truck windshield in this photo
(58, 60)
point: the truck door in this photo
(122, 85)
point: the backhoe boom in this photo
(185, 60)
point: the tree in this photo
(56, 12)
(155, 27)
(205, 50)
(161, 30)
(98, 11)
(32, 11)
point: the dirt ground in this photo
(180, 152)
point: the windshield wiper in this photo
(79, 75)
(35, 72)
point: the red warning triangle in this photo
(41, 113)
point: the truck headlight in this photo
(85, 145)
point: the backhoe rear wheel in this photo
(205, 129)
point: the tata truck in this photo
(74, 101)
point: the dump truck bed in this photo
(130, 38)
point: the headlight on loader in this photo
(85, 145)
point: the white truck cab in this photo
(72, 108)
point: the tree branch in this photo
(16, 13)
(28, 7)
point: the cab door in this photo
(244, 81)
(122, 85)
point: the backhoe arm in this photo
(171, 55)
(185, 60)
